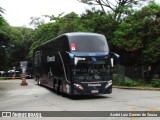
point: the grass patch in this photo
(155, 83)
(122, 80)
(9, 78)
(2, 78)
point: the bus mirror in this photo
(115, 58)
(70, 54)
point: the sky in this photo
(19, 12)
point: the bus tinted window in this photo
(95, 43)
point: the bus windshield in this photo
(94, 43)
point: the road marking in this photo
(133, 108)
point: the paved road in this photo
(14, 97)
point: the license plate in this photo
(94, 91)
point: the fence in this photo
(136, 73)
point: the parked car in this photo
(29, 76)
(16, 73)
(2, 73)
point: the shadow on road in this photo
(86, 97)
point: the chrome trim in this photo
(96, 82)
(63, 67)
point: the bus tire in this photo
(54, 82)
(37, 79)
(58, 88)
(39, 82)
(62, 93)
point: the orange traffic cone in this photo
(24, 83)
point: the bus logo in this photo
(50, 59)
(92, 54)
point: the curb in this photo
(136, 88)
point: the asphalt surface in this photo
(14, 97)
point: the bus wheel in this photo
(38, 81)
(54, 81)
(58, 88)
(62, 93)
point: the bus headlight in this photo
(109, 84)
(78, 86)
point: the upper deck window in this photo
(88, 43)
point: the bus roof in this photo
(72, 34)
(82, 34)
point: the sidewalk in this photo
(137, 88)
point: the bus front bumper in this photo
(92, 91)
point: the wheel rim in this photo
(39, 82)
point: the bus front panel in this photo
(92, 75)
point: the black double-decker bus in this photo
(75, 64)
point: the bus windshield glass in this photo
(94, 43)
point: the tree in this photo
(150, 16)
(67, 23)
(118, 7)
(14, 45)
(4, 45)
(98, 22)
(42, 34)
(4, 40)
(20, 41)
(36, 21)
(137, 37)
(1, 15)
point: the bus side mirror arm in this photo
(70, 54)
(115, 56)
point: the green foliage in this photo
(14, 45)
(1, 11)
(97, 21)
(42, 34)
(20, 41)
(124, 81)
(1, 15)
(155, 83)
(4, 43)
(125, 37)
(117, 79)
(69, 23)
(121, 80)
(119, 8)
(139, 33)
(2, 78)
